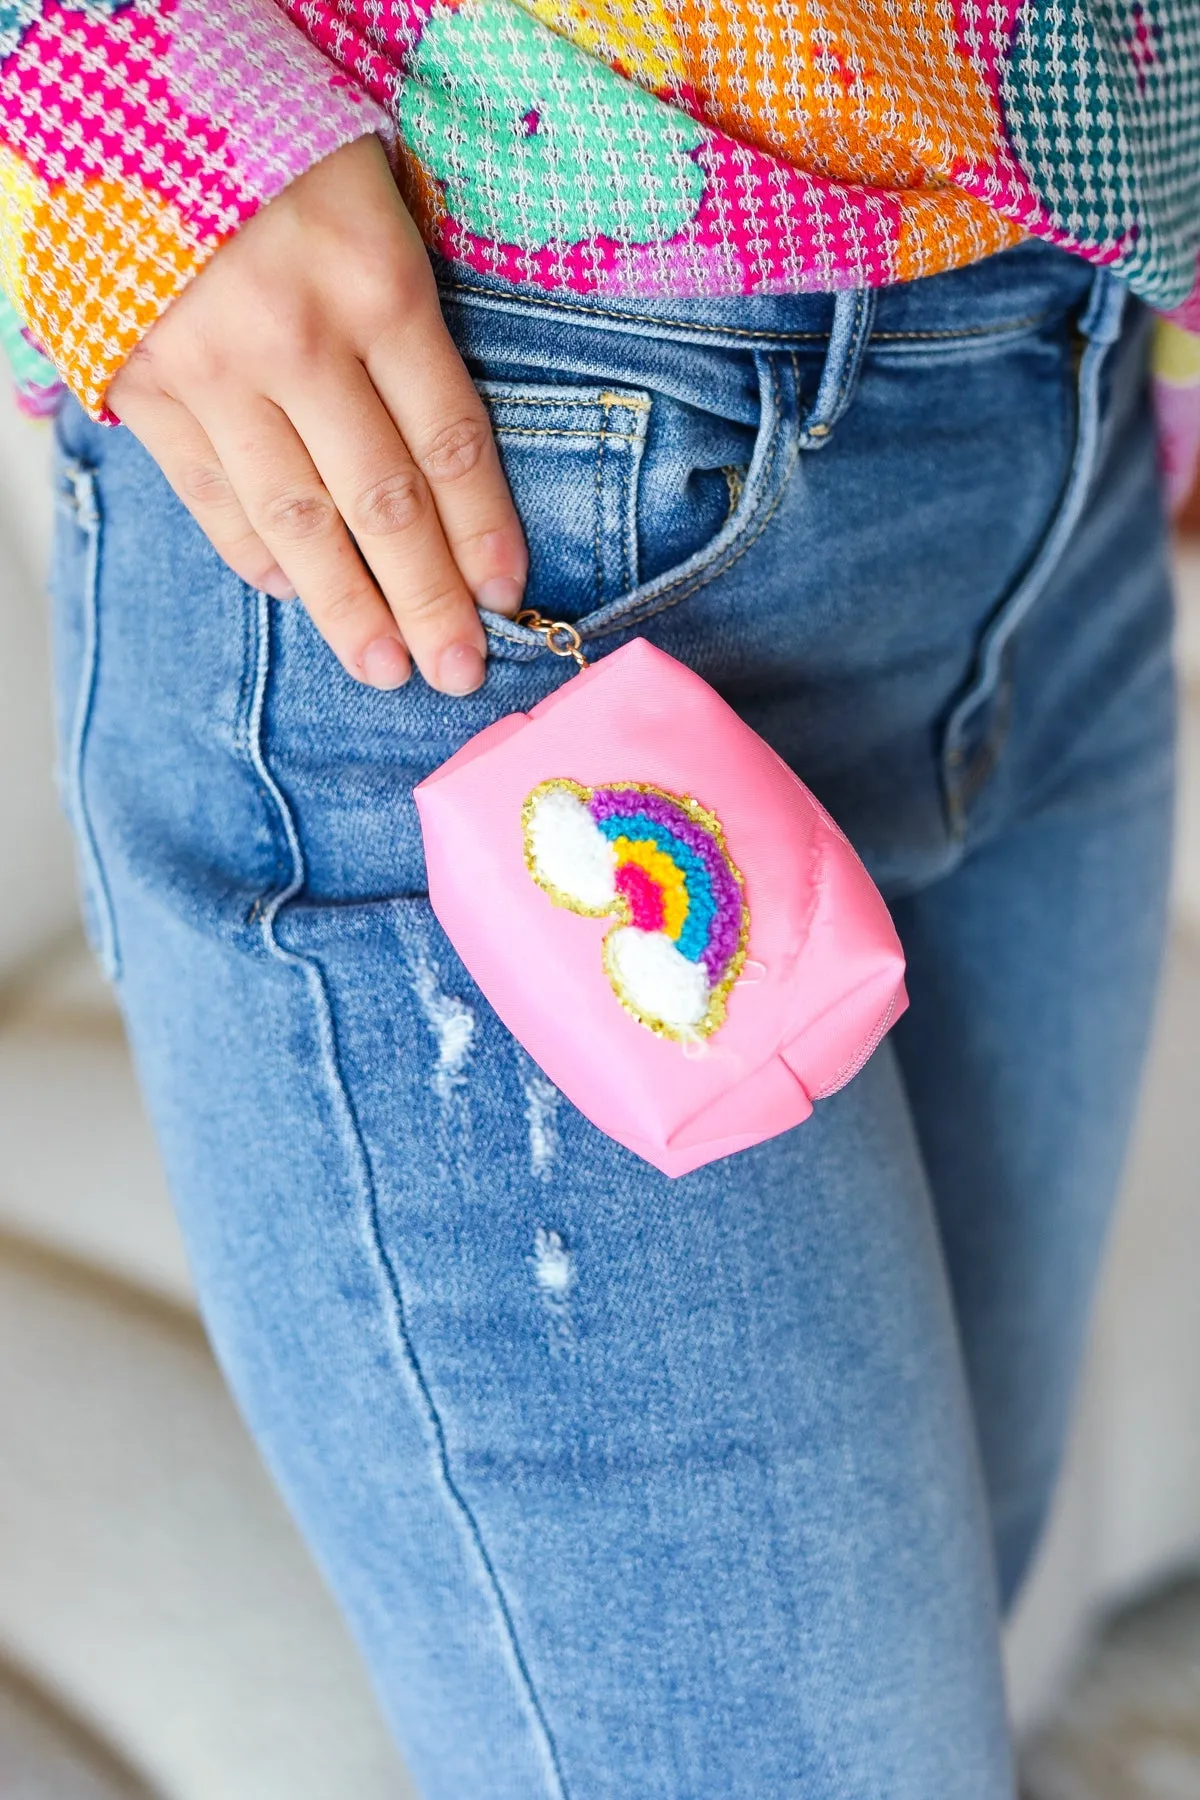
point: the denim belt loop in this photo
(853, 318)
(1101, 318)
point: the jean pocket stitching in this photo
(761, 495)
(597, 518)
(624, 497)
(607, 417)
(776, 452)
(543, 431)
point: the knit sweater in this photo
(630, 146)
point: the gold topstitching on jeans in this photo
(597, 583)
(610, 397)
(568, 397)
(583, 431)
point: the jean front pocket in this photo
(74, 582)
(702, 487)
(572, 457)
(642, 463)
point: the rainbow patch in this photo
(656, 863)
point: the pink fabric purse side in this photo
(681, 939)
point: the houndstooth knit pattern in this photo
(134, 139)
(629, 146)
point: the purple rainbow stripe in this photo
(725, 928)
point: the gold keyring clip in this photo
(559, 638)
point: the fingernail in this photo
(385, 663)
(460, 669)
(501, 594)
(278, 586)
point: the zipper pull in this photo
(559, 638)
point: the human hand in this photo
(303, 397)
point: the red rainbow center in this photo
(643, 895)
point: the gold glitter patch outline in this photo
(619, 909)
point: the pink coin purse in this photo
(659, 911)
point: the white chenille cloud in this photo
(646, 966)
(654, 863)
(569, 852)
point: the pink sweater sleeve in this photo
(135, 137)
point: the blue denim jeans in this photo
(637, 1489)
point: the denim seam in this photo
(567, 397)
(628, 475)
(510, 302)
(963, 785)
(87, 518)
(607, 436)
(579, 431)
(354, 1143)
(628, 518)
(602, 403)
(516, 398)
(974, 775)
(245, 732)
(632, 497)
(1001, 328)
(597, 510)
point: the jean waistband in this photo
(1004, 292)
